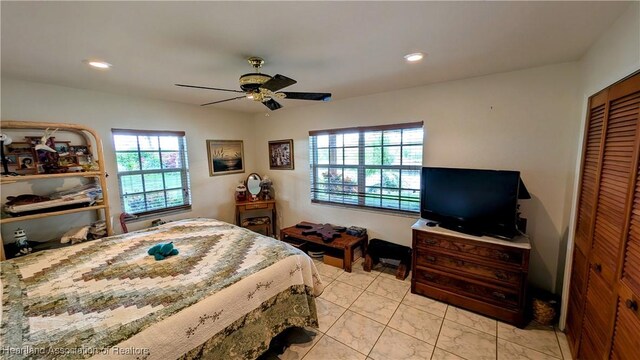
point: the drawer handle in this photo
(500, 275)
(499, 295)
(431, 258)
(597, 267)
(631, 304)
(431, 242)
(459, 262)
(428, 276)
(504, 256)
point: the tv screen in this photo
(469, 200)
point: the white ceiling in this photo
(347, 48)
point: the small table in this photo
(345, 242)
(258, 205)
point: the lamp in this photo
(5, 140)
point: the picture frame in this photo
(19, 148)
(26, 162)
(66, 161)
(62, 147)
(225, 157)
(78, 150)
(281, 156)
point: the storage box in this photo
(333, 261)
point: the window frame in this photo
(362, 167)
(184, 170)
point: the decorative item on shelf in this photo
(281, 154)
(6, 140)
(265, 185)
(46, 142)
(225, 157)
(47, 156)
(241, 192)
(22, 244)
(92, 165)
(253, 185)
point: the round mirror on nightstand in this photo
(253, 185)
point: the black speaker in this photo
(521, 224)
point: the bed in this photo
(226, 294)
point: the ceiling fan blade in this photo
(307, 96)
(278, 82)
(208, 88)
(221, 101)
(272, 104)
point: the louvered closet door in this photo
(617, 173)
(584, 225)
(626, 340)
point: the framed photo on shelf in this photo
(79, 150)
(225, 157)
(281, 154)
(62, 147)
(67, 161)
(26, 162)
(19, 148)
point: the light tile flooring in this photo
(374, 316)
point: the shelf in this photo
(47, 214)
(14, 179)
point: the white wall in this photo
(525, 120)
(211, 196)
(614, 56)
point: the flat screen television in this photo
(478, 202)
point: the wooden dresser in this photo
(482, 274)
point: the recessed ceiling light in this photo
(414, 57)
(98, 64)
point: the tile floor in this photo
(374, 316)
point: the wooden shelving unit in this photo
(48, 214)
(90, 137)
(14, 179)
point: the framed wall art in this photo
(225, 157)
(281, 154)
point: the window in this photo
(153, 174)
(375, 167)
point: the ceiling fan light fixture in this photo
(414, 57)
(98, 64)
(252, 81)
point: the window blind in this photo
(374, 167)
(153, 174)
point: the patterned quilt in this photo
(226, 294)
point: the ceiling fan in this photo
(264, 88)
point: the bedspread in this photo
(224, 296)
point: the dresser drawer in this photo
(500, 254)
(484, 292)
(256, 206)
(429, 259)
